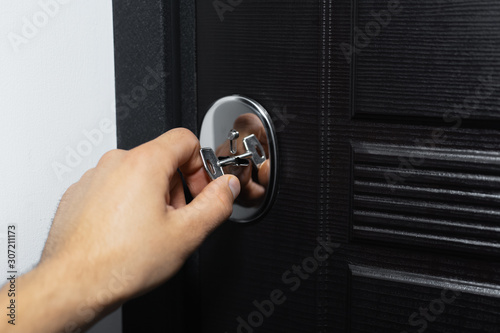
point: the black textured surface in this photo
(429, 57)
(407, 189)
(148, 39)
(141, 43)
(343, 125)
(139, 32)
(354, 121)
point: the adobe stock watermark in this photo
(32, 24)
(485, 88)
(281, 118)
(373, 28)
(223, 6)
(92, 306)
(420, 320)
(93, 138)
(74, 155)
(150, 82)
(292, 279)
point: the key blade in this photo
(252, 145)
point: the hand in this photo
(122, 230)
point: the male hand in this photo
(122, 230)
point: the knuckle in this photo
(184, 134)
(139, 157)
(87, 174)
(181, 131)
(70, 191)
(111, 157)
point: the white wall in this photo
(56, 82)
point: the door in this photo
(388, 212)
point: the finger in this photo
(249, 123)
(197, 181)
(264, 173)
(253, 192)
(176, 197)
(209, 209)
(176, 149)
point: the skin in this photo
(120, 231)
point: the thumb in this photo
(212, 206)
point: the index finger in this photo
(176, 149)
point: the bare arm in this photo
(120, 231)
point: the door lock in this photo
(239, 138)
(254, 152)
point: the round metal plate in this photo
(259, 183)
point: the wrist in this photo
(58, 296)
(82, 289)
(54, 296)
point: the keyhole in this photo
(211, 167)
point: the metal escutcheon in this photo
(238, 137)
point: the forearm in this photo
(51, 298)
(120, 231)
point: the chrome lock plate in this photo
(238, 137)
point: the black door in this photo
(388, 214)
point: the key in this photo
(213, 164)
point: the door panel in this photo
(411, 111)
(390, 152)
(386, 300)
(426, 57)
(246, 54)
(450, 202)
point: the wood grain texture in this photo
(447, 198)
(430, 58)
(392, 118)
(393, 300)
(268, 51)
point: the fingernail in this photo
(234, 185)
